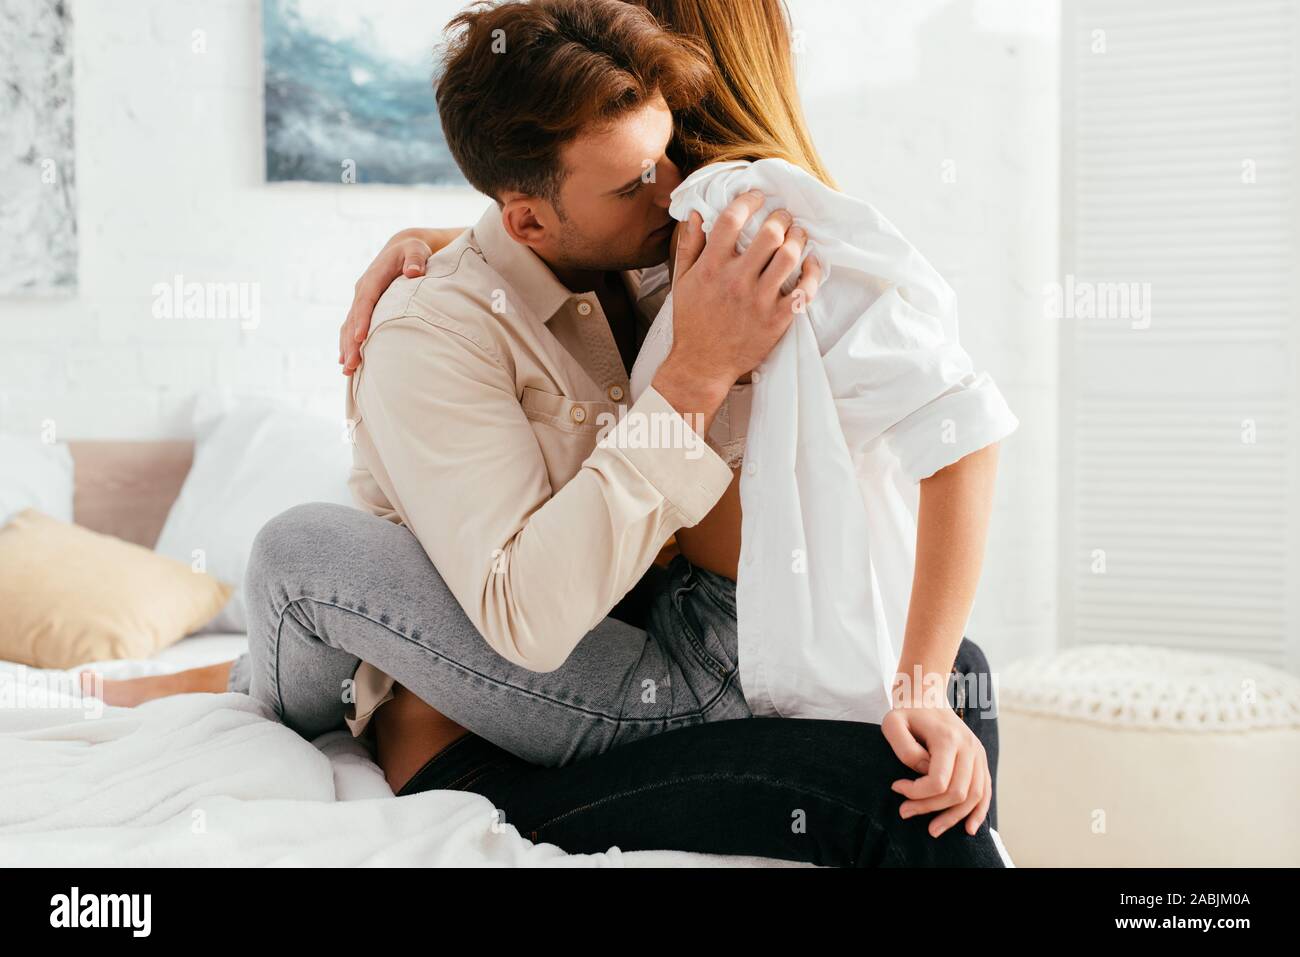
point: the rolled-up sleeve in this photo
(884, 320)
(971, 415)
(901, 377)
(534, 568)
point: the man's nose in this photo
(667, 179)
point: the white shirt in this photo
(866, 394)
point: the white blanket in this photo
(210, 780)
(213, 780)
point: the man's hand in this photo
(404, 255)
(953, 765)
(728, 308)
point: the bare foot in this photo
(407, 734)
(129, 692)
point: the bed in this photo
(212, 780)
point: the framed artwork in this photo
(38, 208)
(349, 91)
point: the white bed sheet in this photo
(208, 780)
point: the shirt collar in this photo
(530, 278)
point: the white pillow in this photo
(36, 475)
(251, 462)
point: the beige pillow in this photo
(69, 595)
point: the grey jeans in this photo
(328, 587)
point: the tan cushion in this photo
(69, 595)
(1135, 756)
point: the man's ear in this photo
(520, 216)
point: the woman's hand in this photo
(953, 765)
(404, 255)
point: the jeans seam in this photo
(432, 760)
(275, 654)
(695, 778)
(689, 719)
(708, 591)
(615, 720)
(463, 782)
(727, 682)
(448, 749)
(703, 656)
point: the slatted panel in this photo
(1179, 425)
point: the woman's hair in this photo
(752, 109)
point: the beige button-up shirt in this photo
(490, 418)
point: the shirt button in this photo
(579, 414)
(755, 376)
(616, 392)
(751, 468)
(584, 308)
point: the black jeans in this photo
(790, 788)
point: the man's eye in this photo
(628, 194)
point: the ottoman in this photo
(1127, 755)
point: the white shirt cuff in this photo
(672, 456)
(951, 427)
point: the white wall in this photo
(169, 181)
(945, 116)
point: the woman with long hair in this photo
(928, 496)
(913, 787)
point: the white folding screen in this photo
(1180, 490)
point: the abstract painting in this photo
(38, 211)
(349, 91)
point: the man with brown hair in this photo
(512, 499)
(484, 413)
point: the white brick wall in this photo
(169, 181)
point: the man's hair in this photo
(521, 79)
